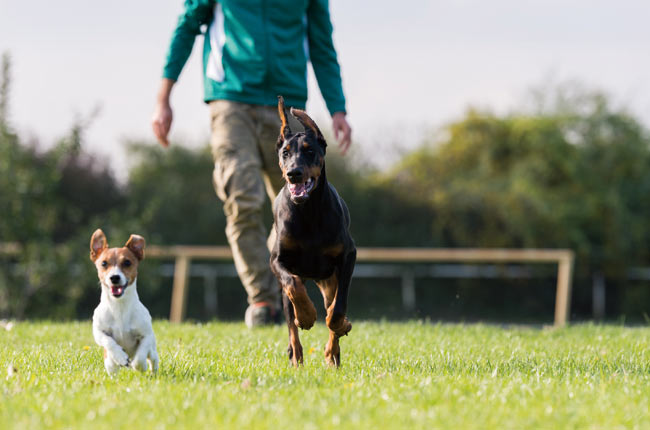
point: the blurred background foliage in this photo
(569, 171)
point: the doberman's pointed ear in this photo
(98, 244)
(285, 130)
(136, 245)
(310, 126)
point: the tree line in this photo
(570, 172)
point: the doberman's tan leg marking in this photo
(294, 343)
(328, 288)
(303, 308)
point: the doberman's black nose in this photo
(295, 176)
(115, 279)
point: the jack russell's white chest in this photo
(122, 329)
(127, 338)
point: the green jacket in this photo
(255, 50)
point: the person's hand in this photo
(342, 131)
(161, 122)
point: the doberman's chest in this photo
(309, 263)
(311, 255)
(311, 244)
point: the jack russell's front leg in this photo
(146, 354)
(114, 355)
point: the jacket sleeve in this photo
(323, 55)
(196, 14)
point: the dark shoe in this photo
(260, 314)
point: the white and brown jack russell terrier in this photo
(121, 323)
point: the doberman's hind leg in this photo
(328, 288)
(303, 308)
(295, 348)
(333, 351)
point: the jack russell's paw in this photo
(120, 357)
(111, 367)
(140, 363)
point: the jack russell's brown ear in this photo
(136, 245)
(98, 244)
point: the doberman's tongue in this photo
(301, 190)
(297, 190)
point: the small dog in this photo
(313, 239)
(121, 323)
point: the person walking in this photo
(253, 51)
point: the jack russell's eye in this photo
(104, 263)
(285, 154)
(126, 263)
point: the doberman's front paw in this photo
(339, 324)
(305, 316)
(305, 323)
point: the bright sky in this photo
(406, 65)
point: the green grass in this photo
(394, 375)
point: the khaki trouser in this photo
(246, 170)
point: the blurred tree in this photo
(5, 82)
(574, 174)
(382, 215)
(47, 198)
(171, 198)
(571, 172)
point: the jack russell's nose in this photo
(115, 279)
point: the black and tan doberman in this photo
(313, 239)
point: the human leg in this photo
(239, 183)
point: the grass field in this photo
(394, 375)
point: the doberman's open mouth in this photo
(301, 191)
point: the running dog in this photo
(121, 323)
(313, 239)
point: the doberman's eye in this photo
(104, 263)
(126, 263)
